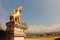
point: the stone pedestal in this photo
(14, 31)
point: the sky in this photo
(35, 12)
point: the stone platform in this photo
(14, 31)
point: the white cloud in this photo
(42, 28)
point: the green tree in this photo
(1, 27)
(26, 27)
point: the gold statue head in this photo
(19, 8)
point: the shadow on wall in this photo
(57, 39)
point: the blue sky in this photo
(35, 12)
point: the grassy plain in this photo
(44, 38)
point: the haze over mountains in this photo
(43, 28)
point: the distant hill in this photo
(43, 29)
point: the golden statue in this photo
(16, 14)
(14, 26)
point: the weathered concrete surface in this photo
(18, 38)
(18, 32)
